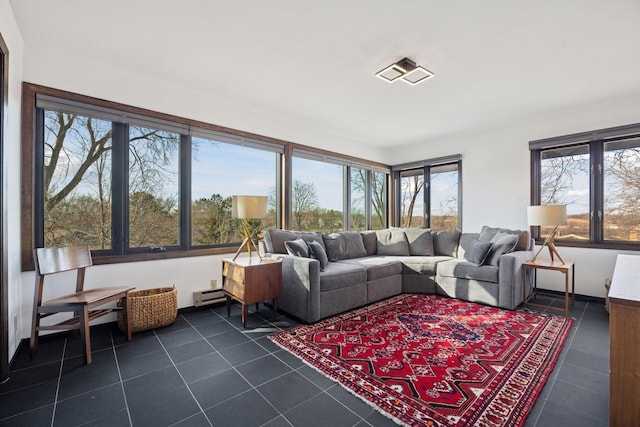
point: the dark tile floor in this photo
(206, 370)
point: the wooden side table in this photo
(567, 268)
(250, 281)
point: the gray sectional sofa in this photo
(326, 274)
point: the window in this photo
(444, 197)
(153, 187)
(412, 198)
(621, 203)
(564, 176)
(76, 180)
(220, 170)
(378, 200)
(597, 175)
(324, 188)
(358, 182)
(428, 194)
(136, 184)
(317, 196)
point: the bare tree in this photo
(78, 163)
(378, 199)
(378, 194)
(558, 175)
(622, 194)
(411, 187)
(305, 199)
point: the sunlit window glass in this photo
(77, 180)
(317, 196)
(153, 187)
(219, 171)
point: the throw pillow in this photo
(354, 246)
(297, 247)
(420, 241)
(477, 252)
(445, 243)
(370, 241)
(318, 252)
(501, 243)
(392, 242)
(335, 245)
(487, 233)
(274, 240)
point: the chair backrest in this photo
(56, 260)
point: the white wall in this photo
(496, 177)
(11, 36)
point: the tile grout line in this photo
(124, 394)
(173, 363)
(55, 400)
(236, 370)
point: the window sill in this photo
(151, 256)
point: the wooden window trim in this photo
(30, 91)
(595, 140)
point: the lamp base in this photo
(248, 242)
(552, 248)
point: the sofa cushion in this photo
(445, 243)
(344, 245)
(426, 265)
(501, 243)
(370, 241)
(466, 270)
(274, 239)
(377, 267)
(477, 252)
(339, 275)
(466, 239)
(524, 236)
(317, 251)
(297, 247)
(420, 241)
(392, 242)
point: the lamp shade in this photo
(249, 207)
(547, 215)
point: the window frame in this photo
(596, 141)
(32, 205)
(426, 166)
(347, 164)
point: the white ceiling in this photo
(495, 61)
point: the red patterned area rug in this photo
(426, 360)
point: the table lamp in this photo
(553, 215)
(244, 208)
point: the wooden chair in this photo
(82, 303)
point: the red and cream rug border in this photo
(536, 362)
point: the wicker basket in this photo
(151, 308)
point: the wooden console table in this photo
(250, 281)
(624, 336)
(546, 264)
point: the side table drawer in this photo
(233, 279)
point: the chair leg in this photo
(33, 342)
(85, 336)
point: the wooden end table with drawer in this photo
(250, 281)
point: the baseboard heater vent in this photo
(208, 296)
